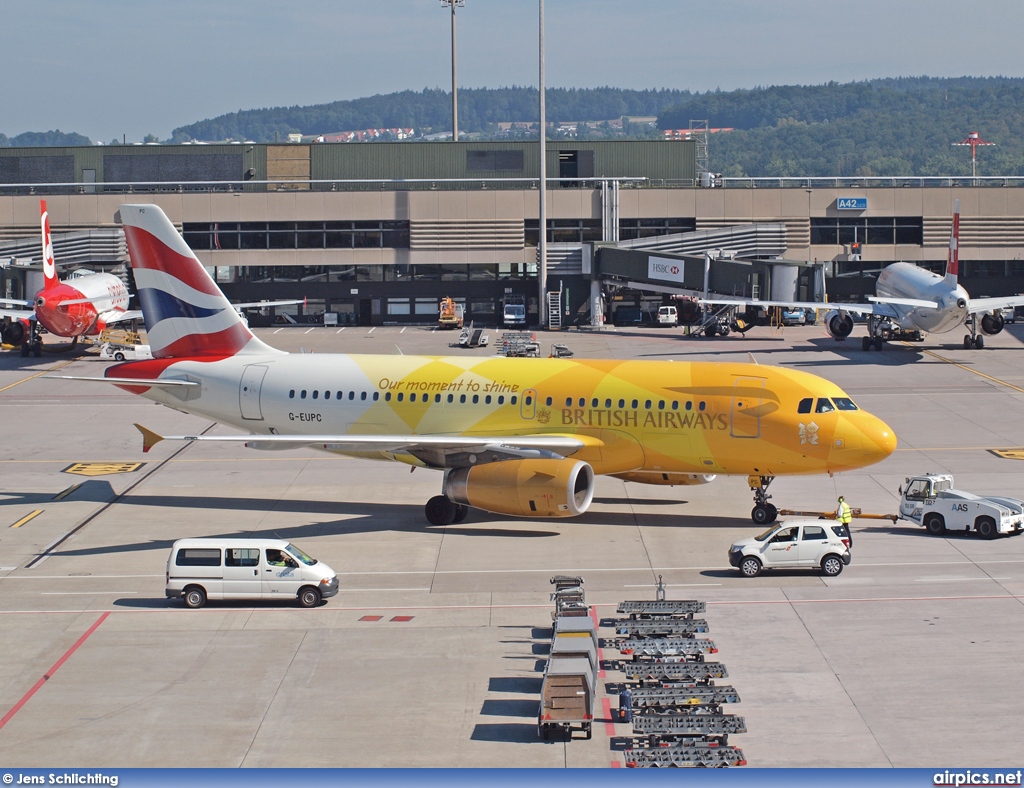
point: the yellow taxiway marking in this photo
(102, 468)
(62, 495)
(37, 375)
(1008, 454)
(933, 354)
(26, 518)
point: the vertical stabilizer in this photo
(186, 314)
(50, 279)
(953, 261)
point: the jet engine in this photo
(526, 488)
(839, 325)
(14, 333)
(668, 479)
(992, 323)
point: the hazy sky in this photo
(107, 68)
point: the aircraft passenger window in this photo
(568, 402)
(661, 404)
(339, 394)
(462, 399)
(701, 405)
(291, 394)
(362, 395)
(607, 403)
(675, 405)
(844, 403)
(824, 406)
(437, 398)
(451, 398)
(376, 396)
(302, 394)
(513, 399)
(689, 405)
(412, 397)
(387, 397)
(529, 400)
(583, 402)
(805, 405)
(487, 400)
(476, 398)
(636, 404)
(548, 400)
(812, 532)
(327, 395)
(595, 402)
(351, 395)
(501, 399)
(316, 394)
(622, 403)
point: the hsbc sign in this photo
(665, 269)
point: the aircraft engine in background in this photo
(526, 488)
(15, 333)
(992, 323)
(840, 326)
(667, 479)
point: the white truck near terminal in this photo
(931, 501)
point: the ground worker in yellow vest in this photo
(844, 515)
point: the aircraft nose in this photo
(879, 439)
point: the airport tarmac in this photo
(430, 654)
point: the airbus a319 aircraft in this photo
(513, 436)
(910, 302)
(84, 304)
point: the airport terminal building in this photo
(380, 232)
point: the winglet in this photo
(149, 438)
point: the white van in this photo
(668, 315)
(201, 569)
(116, 352)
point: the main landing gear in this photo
(763, 512)
(441, 511)
(973, 339)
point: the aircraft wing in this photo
(881, 307)
(15, 301)
(17, 314)
(130, 314)
(436, 451)
(978, 305)
(269, 303)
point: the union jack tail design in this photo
(186, 314)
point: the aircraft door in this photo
(745, 412)
(528, 404)
(249, 391)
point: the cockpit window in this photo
(805, 405)
(824, 406)
(844, 403)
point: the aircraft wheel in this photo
(37, 349)
(709, 331)
(979, 342)
(24, 351)
(725, 331)
(878, 342)
(773, 513)
(440, 511)
(865, 343)
(762, 514)
(461, 512)
(967, 342)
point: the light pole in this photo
(455, 96)
(542, 247)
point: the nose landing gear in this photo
(763, 512)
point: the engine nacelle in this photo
(14, 333)
(526, 488)
(992, 324)
(840, 326)
(667, 479)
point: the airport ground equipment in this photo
(567, 697)
(682, 754)
(671, 648)
(574, 648)
(831, 515)
(657, 627)
(560, 351)
(575, 627)
(471, 337)
(661, 672)
(677, 723)
(518, 344)
(668, 695)
(513, 312)
(661, 607)
(931, 501)
(451, 314)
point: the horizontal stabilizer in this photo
(904, 301)
(164, 382)
(149, 438)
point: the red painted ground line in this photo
(49, 674)
(600, 654)
(609, 725)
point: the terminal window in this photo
(878, 231)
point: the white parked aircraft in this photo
(910, 302)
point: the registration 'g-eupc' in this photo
(515, 436)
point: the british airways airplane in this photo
(514, 436)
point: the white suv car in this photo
(793, 543)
